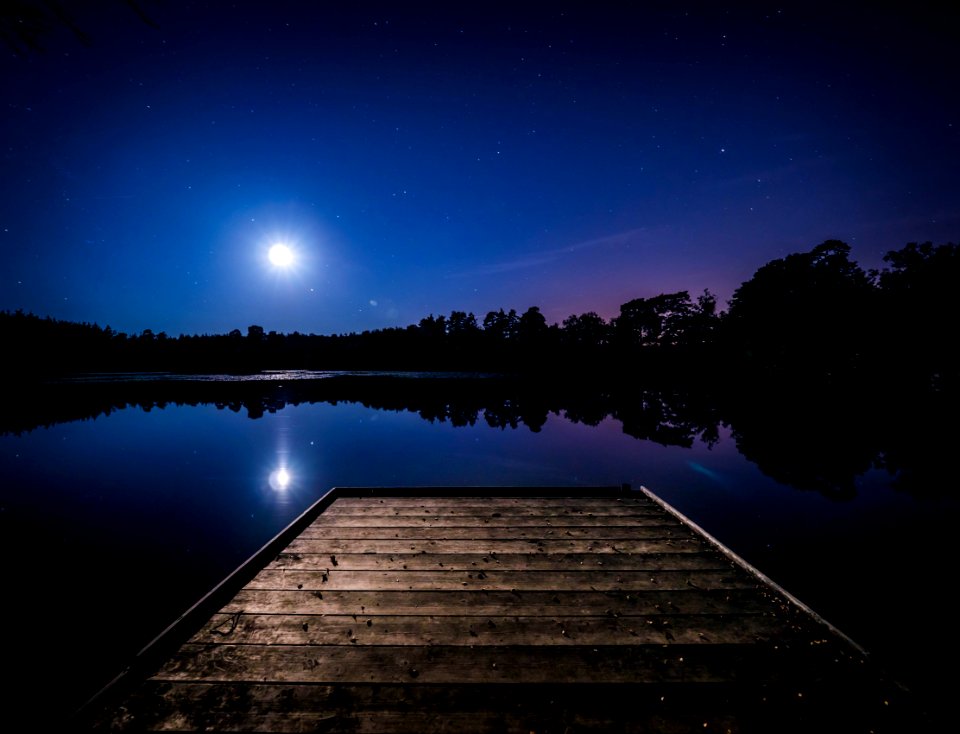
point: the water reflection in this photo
(709, 473)
(280, 479)
(810, 441)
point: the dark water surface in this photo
(113, 526)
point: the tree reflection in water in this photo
(808, 439)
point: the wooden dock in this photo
(499, 610)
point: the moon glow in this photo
(281, 255)
(280, 479)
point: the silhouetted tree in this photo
(25, 23)
(461, 323)
(699, 330)
(920, 314)
(587, 331)
(501, 326)
(653, 322)
(805, 314)
(434, 327)
(532, 326)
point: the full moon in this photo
(281, 255)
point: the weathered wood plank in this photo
(492, 721)
(421, 709)
(495, 709)
(487, 510)
(560, 501)
(499, 580)
(489, 545)
(495, 520)
(463, 665)
(299, 629)
(504, 562)
(500, 603)
(484, 532)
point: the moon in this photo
(281, 255)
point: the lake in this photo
(118, 512)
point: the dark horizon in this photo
(815, 317)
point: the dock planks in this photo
(500, 610)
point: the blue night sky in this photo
(420, 158)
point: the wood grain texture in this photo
(464, 665)
(451, 631)
(592, 580)
(492, 520)
(495, 510)
(472, 603)
(639, 543)
(420, 709)
(559, 503)
(680, 556)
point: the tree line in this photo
(814, 315)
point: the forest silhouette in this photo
(813, 318)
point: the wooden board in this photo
(489, 708)
(593, 580)
(471, 603)
(559, 503)
(494, 507)
(533, 535)
(498, 546)
(374, 628)
(493, 520)
(677, 557)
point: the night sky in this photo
(419, 158)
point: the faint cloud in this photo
(547, 256)
(777, 173)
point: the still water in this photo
(113, 526)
